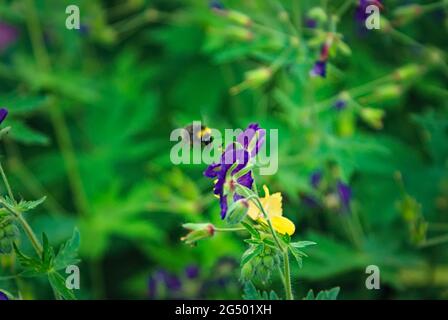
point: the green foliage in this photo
(91, 111)
(331, 294)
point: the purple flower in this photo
(319, 69)
(8, 35)
(3, 296)
(192, 272)
(3, 114)
(216, 5)
(340, 104)
(310, 23)
(161, 277)
(251, 141)
(315, 179)
(345, 194)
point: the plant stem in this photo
(26, 227)
(287, 273)
(56, 114)
(229, 229)
(5, 180)
(286, 270)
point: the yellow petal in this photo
(273, 205)
(253, 211)
(283, 225)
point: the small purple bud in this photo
(152, 288)
(192, 272)
(216, 5)
(345, 194)
(315, 179)
(340, 104)
(3, 114)
(319, 69)
(310, 23)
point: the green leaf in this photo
(47, 253)
(302, 244)
(331, 294)
(251, 253)
(27, 135)
(57, 282)
(32, 266)
(68, 252)
(254, 232)
(251, 293)
(24, 206)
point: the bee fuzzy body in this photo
(199, 134)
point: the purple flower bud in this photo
(192, 272)
(8, 35)
(319, 69)
(315, 179)
(310, 23)
(345, 194)
(3, 114)
(340, 104)
(216, 5)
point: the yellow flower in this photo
(272, 205)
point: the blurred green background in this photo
(91, 111)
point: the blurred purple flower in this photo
(319, 69)
(315, 179)
(3, 296)
(216, 5)
(3, 114)
(345, 194)
(8, 35)
(340, 104)
(192, 271)
(310, 23)
(161, 277)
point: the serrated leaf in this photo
(24, 206)
(331, 294)
(68, 252)
(57, 282)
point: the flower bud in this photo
(237, 211)
(386, 92)
(408, 72)
(253, 79)
(239, 18)
(198, 232)
(238, 33)
(372, 117)
(318, 14)
(246, 271)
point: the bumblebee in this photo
(199, 134)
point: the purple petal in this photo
(344, 193)
(192, 271)
(319, 69)
(340, 104)
(253, 131)
(3, 114)
(8, 35)
(315, 179)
